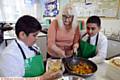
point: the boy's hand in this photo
(52, 75)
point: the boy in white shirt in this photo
(96, 38)
(21, 58)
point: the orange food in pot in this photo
(81, 68)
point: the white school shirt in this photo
(12, 61)
(102, 46)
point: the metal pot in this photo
(70, 77)
(73, 61)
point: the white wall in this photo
(111, 25)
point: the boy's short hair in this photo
(94, 19)
(27, 24)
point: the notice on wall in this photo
(103, 8)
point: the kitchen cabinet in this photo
(42, 44)
(113, 48)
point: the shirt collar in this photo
(21, 42)
(94, 36)
(25, 48)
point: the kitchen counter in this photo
(11, 34)
(113, 39)
(100, 74)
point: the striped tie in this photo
(31, 48)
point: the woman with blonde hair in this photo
(64, 34)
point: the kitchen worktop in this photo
(11, 34)
(101, 73)
(114, 39)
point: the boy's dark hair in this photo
(94, 19)
(27, 24)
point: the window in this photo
(11, 10)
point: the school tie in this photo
(88, 40)
(31, 48)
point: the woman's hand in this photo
(69, 53)
(75, 51)
(62, 54)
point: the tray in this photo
(54, 65)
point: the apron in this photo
(33, 66)
(87, 50)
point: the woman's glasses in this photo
(67, 16)
(92, 28)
